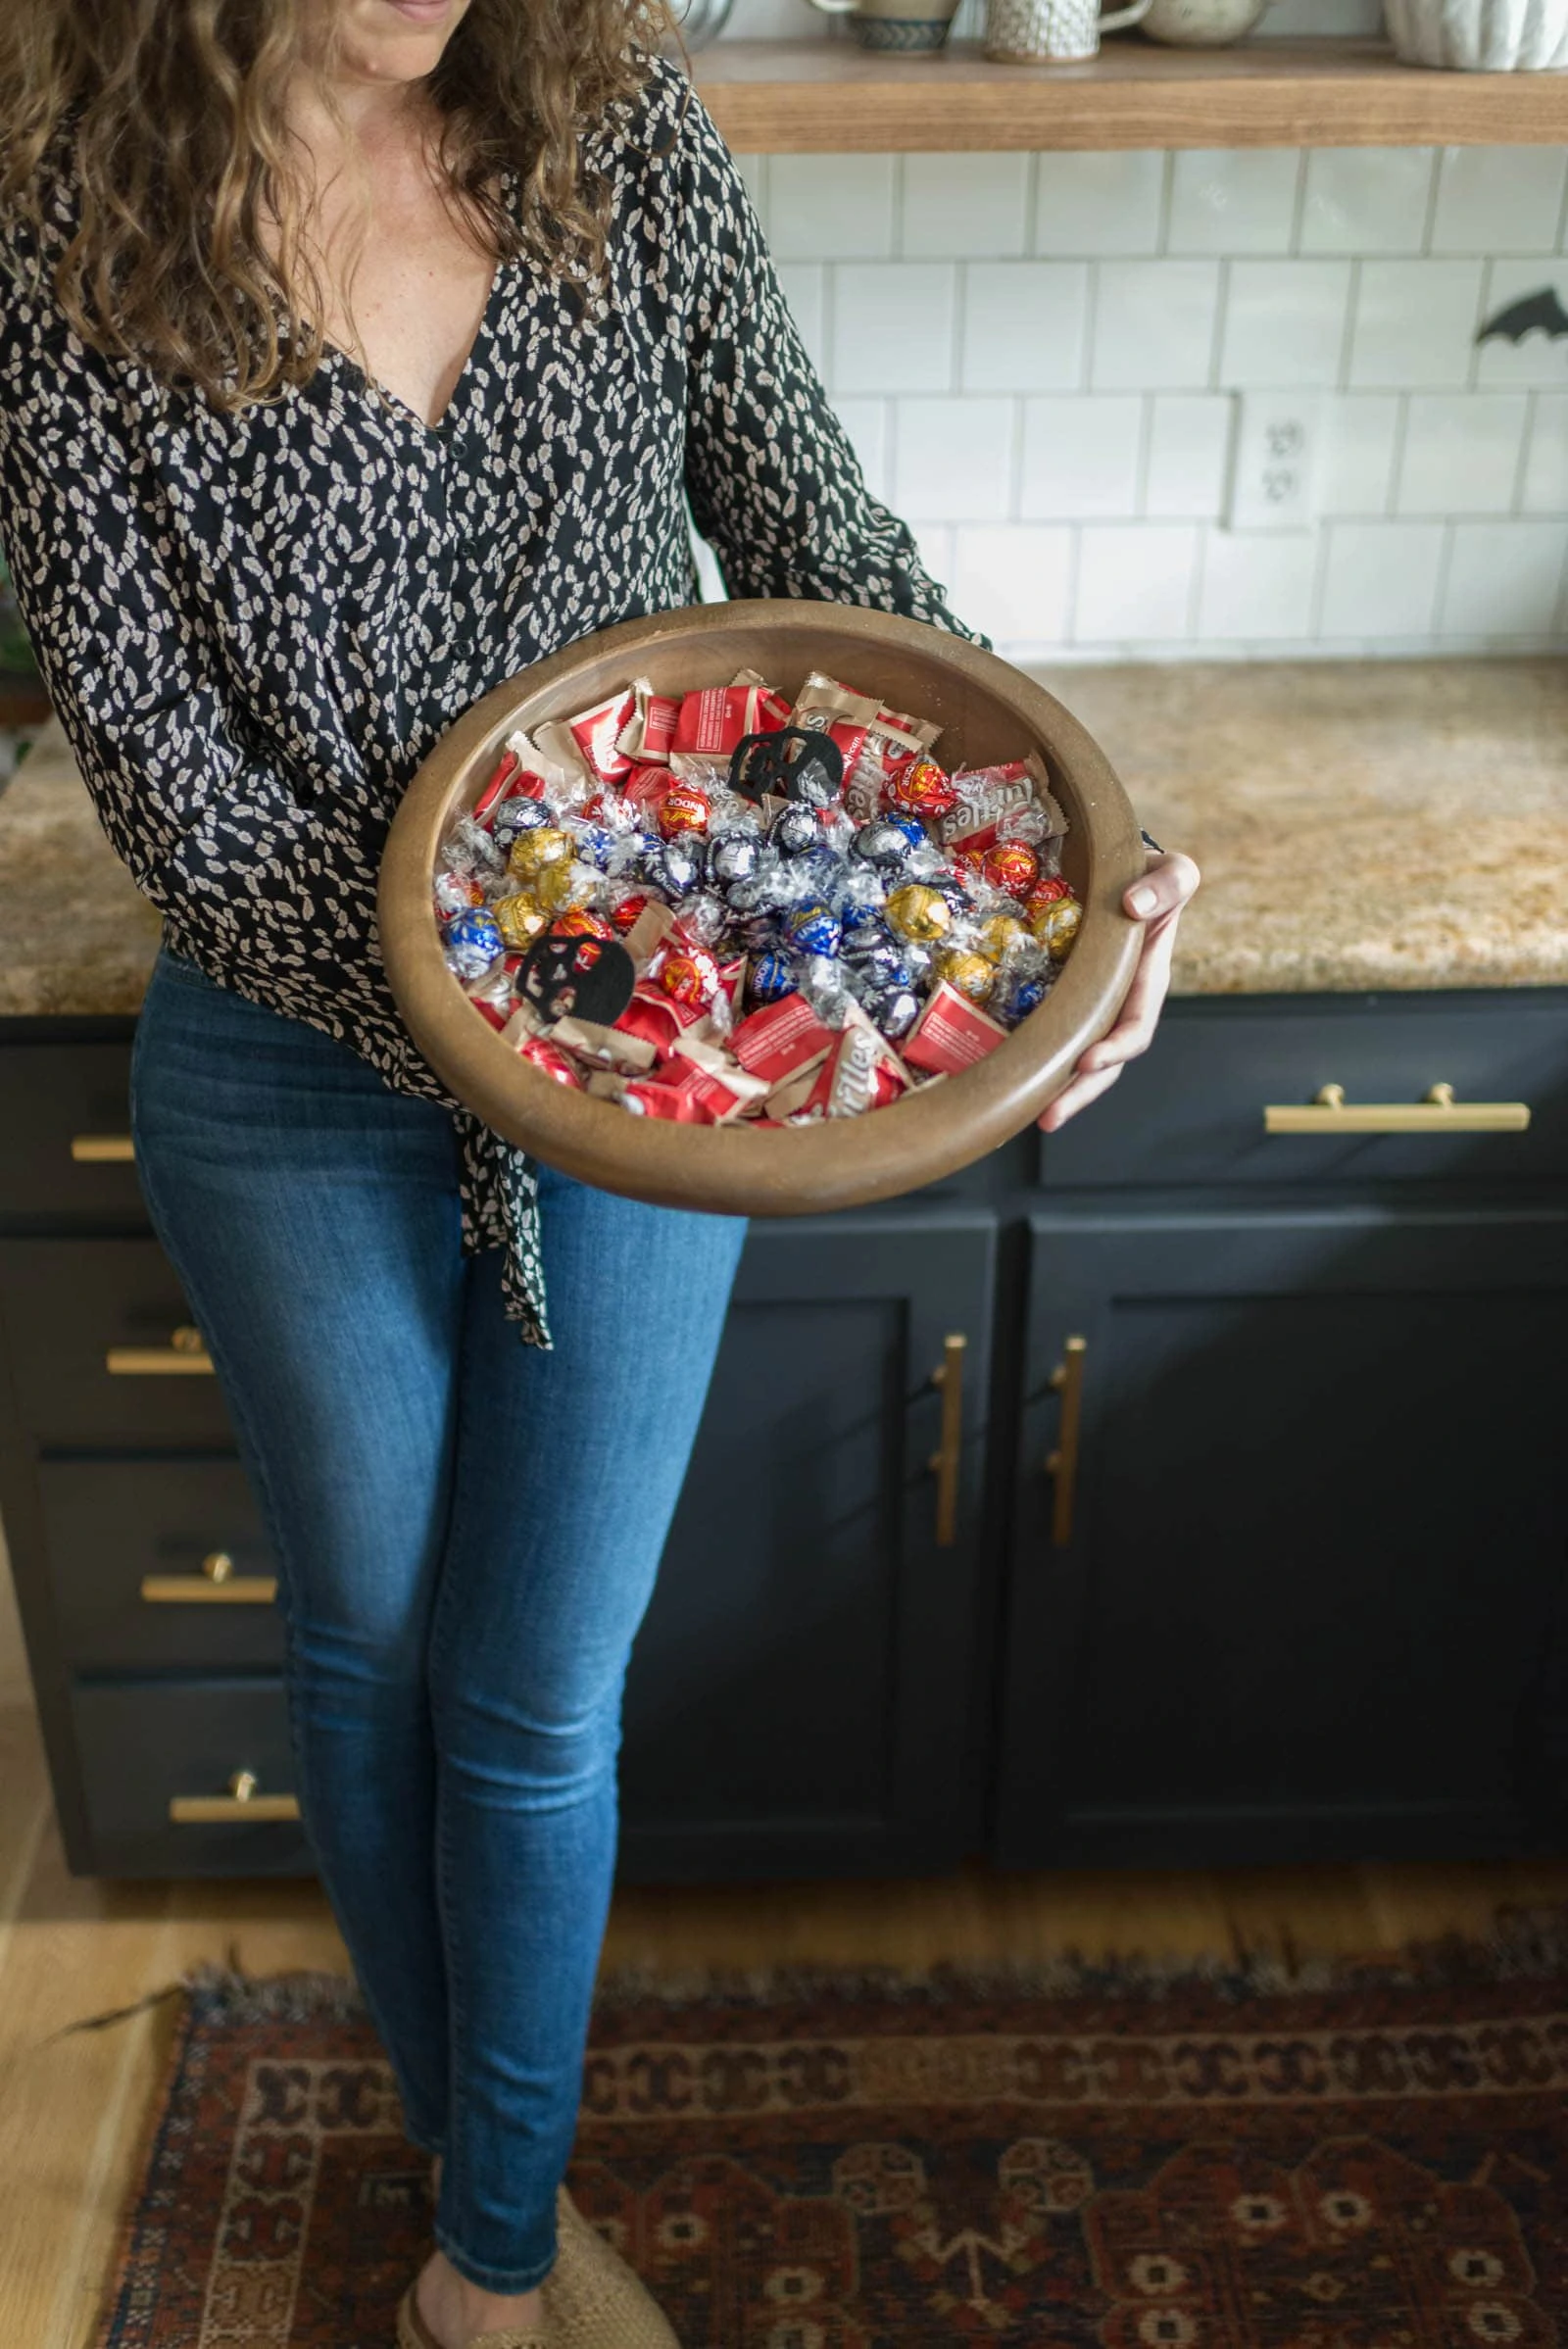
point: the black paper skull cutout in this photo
(578, 978)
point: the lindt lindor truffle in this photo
(813, 916)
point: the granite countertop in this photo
(1360, 824)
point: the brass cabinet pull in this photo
(1061, 1465)
(102, 1149)
(216, 1579)
(1329, 1112)
(947, 1462)
(240, 1802)
(184, 1356)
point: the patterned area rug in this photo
(1358, 2156)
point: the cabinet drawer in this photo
(63, 1107)
(1191, 1109)
(147, 1743)
(70, 1308)
(158, 1563)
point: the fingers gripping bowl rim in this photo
(987, 711)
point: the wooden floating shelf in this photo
(831, 96)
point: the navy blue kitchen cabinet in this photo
(802, 1689)
(1294, 1502)
(1268, 1566)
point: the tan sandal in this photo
(415, 2333)
(591, 2300)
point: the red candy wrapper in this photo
(649, 730)
(714, 719)
(862, 1072)
(825, 706)
(782, 1039)
(919, 787)
(951, 1033)
(597, 734)
(987, 796)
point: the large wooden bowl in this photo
(988, 711)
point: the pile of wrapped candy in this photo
(721, 906)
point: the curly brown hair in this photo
(168, 117)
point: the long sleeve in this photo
(119, 639)
(776, 488)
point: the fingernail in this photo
(1143, 901)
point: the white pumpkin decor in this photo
(1485, 36)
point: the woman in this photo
(355, 353)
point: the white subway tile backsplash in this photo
(1504, 578)
(1135, 580)
(1037, 360)
(1155, 324)
(1461, 452)
(1100, 203)
(1367, 199)
(801, 283)
(866, 423)
(1024, 325)
(1536, 359)
(1414, 321)
(1188, 448)
(1499, 199)
(1381, 579)
(893, 326)
(1545, 481)
(830, 207)
(1355, 464)
(1283, 323)
(1232, 200)
(1257, 584)
(1014, 583)
(957, 205)
(1080, 457)
(952, 458)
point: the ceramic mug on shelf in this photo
(914, 27)
(1063, 32)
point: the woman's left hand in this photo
(1156, 900)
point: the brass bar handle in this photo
(242, 1801)
(1329, 1112)
(184, 1356)
(1061, 1465)
(947, 1462)
(102, 1149)
(216, 1581)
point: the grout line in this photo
(1472, 377)
(1352, 320)
(1434, 189)
(1144, 455)
(1402, 429)
(1440, 590)
(1521, 471)
(1299, 201)
(1216, 340)
(1167, 191)
(958, 279)
(1086, 370)
(1562, 215)
(1031, 202)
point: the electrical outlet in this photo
(1274, 464)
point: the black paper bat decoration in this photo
(1522, 318)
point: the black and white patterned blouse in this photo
(255, 626)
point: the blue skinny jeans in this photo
(467, 1532)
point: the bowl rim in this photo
(735, 1169)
